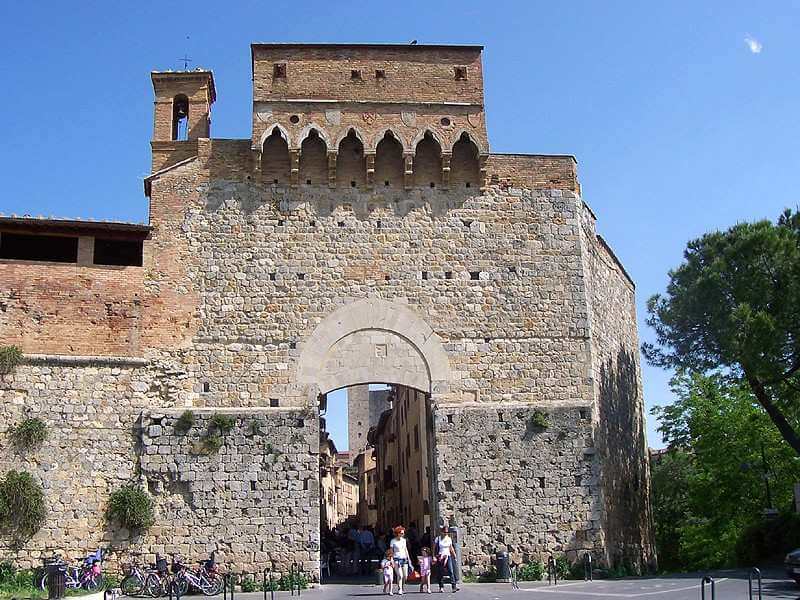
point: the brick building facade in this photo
(363, 233)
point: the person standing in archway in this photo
(399, 548)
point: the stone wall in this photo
(516, 487)
(91, 407)
(255, 501)
(619, 423)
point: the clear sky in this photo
(683, 115)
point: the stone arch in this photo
(276, 165)
(352, 130)
(313, 159)
(459, 135)
(465, 169)
(389, 162)
(306, 131)
(428, 162)
(380, 136)
(284, 133)
(351, 162)
(374, 340)
(427, 133)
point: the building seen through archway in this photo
(382, 479)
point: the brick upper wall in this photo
(534, 171)
(413, 73)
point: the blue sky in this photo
(678, 126)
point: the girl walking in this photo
(387, 566)
(425, 562)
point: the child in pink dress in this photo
(425, 562)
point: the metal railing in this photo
(705, 581)
(267, 575)
(552, 571)
(757, 573)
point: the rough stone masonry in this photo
(364, 233)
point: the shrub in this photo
(540, 420)
(290, 581)
(211, 443)
(248, 584)
(22, 508)
(562, 567)
(18, 583)
(768, 539)
(131, 507)
(10, 357)
(488, 576)
(185, 422)
(532, 571)
(29, 434)
(222, 423)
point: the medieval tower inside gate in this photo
(363, 233)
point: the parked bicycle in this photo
(206, 578)
(140, 580)
(88, 575)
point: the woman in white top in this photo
(445, 554)
(400, 550)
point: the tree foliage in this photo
(22, 506)
(709, 489)
(734, 306)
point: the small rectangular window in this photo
(123, 253)
(460, 73)
(279, 71)
(380, 74)
(49, 248)
(355, 74)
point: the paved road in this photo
(730, 585)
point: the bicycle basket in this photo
(161, 565)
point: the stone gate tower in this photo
(362, 233)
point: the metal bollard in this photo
(757, 572)
(228, 585)
(587, 566)
(707, 579)
(291, 577)
(552, 572)
(271, 585)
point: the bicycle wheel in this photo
(180, 582)
(92, 583)
(132, 585)
(43, 582)
(211, 585)
(153, 586)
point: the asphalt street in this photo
(728, 585)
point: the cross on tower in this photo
(186, 60)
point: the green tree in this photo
(734, 306)
(710, 486)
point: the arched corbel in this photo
(446, 156)
(482, 160)
(332, 156)
(370, 160)
(294, 157)
(408, 160)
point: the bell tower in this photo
(182, 113)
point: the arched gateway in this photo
(374, 340)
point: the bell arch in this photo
(374, 340)
(313, 165)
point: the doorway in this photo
(376, 472)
